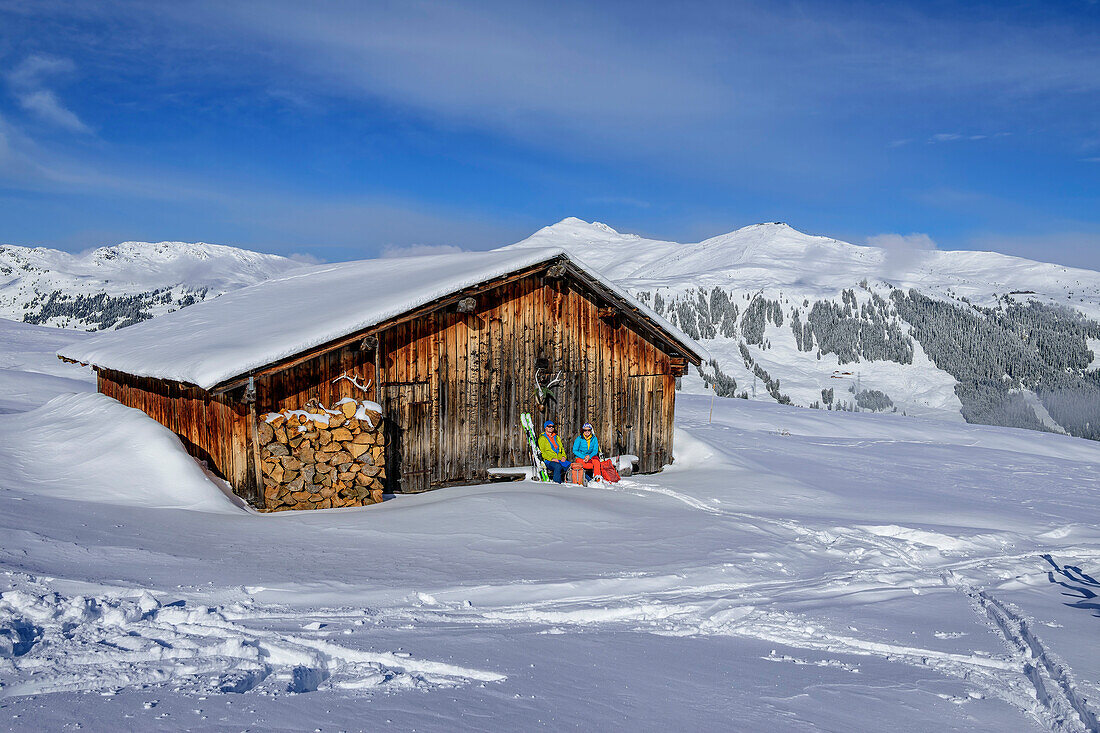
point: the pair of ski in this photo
(539, 467)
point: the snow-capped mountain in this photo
(111, 287)
(818, 322)
(788, 316)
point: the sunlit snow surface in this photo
(795, 570)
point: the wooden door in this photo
(408, 444)
(644, 424)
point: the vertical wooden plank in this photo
(496, 408)
(509, 396)
(434, 338)
(591, 358)
(462, 384)
(480, 418)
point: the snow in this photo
(30, 372)
(68, 448)
(1094, 347)
(29, 274)
(781, 264)
(772, 257)
(794, 569)
(216, 340)
(320, 414)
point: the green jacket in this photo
(547, 449)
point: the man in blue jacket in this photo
(586, 451)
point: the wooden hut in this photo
(452, 347)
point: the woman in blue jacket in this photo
(586, 451)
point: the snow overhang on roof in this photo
(234, 334)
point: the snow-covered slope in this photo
(115, 286)
(793, 570)
(30, 372)
(817, 321)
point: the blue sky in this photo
(339, 130)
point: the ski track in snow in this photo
(55, 643)
(1029, 677)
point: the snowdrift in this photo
(89, 447)
(30, 372)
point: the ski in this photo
(539, 467)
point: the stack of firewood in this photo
(321, 458)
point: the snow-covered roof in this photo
(215, 340)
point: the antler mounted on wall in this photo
(544, 389)
(354, 379)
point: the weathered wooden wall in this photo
(459, 381)
(215, 429)
(452, 386)
(313, 379)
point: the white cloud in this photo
(305, 258)
(916, 241)
(27, 81)
(417, 250)
(45, 104)
(30, 72)
(902, 251)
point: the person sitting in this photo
(553, 455)
(586, 452)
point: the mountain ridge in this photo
(797, 318)
(770, 245)
(125, 283)
(814, 321)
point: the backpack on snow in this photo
(610, 473)
(576, 475)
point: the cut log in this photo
(375, 419)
